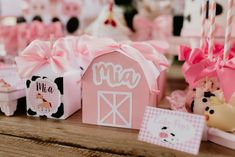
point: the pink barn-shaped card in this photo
(117, 86)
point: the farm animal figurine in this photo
(221, 115)
(4, 85)
(110, 23)
(110, 20)
(44, 105)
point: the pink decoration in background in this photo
(177, 101)
(16, 38)
(71, 8)
(8, 36)
(160, 28)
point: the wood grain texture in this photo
(26, 147)
(67, 135)
(26, 136)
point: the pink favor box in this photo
(115, 91)
(53, 95)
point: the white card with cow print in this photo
(172, 129)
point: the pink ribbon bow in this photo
(97, 47)
(226, 74)
(140, 52)
(39, 54)
(198, 66)
(160, 28)
(196, 61)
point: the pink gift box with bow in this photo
(52, 85)
(120, 81)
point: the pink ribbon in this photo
(160, 28)
(98, 47)
(140, 52)
(39, 54)
(198, 66)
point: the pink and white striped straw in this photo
(230, 15)
(203, 23)
(212, 28)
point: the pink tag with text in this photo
(172, 129)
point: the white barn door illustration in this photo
(115, 109)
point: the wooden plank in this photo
(16, 147)
(72, 133)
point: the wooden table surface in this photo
(22, 136)
(27, 136)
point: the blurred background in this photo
(171, 22)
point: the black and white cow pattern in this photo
(167, 136)
(59, 82)
(201, 101)
(192, 14)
